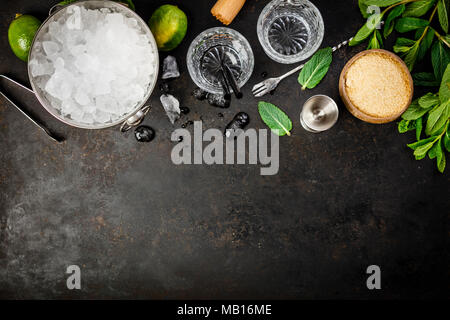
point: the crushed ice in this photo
(94, 65)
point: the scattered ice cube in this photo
(94, 66)
(171, 106)
(170, 68)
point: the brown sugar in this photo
(377, 85)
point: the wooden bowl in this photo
(357, 112)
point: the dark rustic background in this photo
(141, 227)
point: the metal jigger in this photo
(319, 113)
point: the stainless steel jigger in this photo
(319, 113)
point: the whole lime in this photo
(169, 25)
(21, 33)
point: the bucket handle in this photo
(135, 119)
(55, 8)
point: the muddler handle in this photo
(226, 10)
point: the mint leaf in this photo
(408, 49)
(316, 68)
(380, 3)
(410, 23)
(419, 125)
(447, 139)
(443, 14)
(419, 8)
(421, 151)
(441, 162)
(406, 125)
(425, 79)
(363, 8)
(415, 111)
(426, 43)
(437, 118)
(366, 30)
(389, 23)
(432, 153)
(440, 157)
(403, 45)
(420, 143)
(440, 58)
(404, 42)
(411, 56)
(444, 91)
(429, 100)
(376, 41)
(275, 118)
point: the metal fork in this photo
(270, 84)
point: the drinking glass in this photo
(290, 30)
(214, 47)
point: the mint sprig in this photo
(429, 115)
(434, 110)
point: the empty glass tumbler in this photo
(214, 48)
(290, 30)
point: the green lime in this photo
(169, 25)
(21, 33)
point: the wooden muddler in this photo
(226, 10)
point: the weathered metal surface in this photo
(141, 227)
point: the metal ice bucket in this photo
(137, 112)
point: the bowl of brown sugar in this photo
(376, 86)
